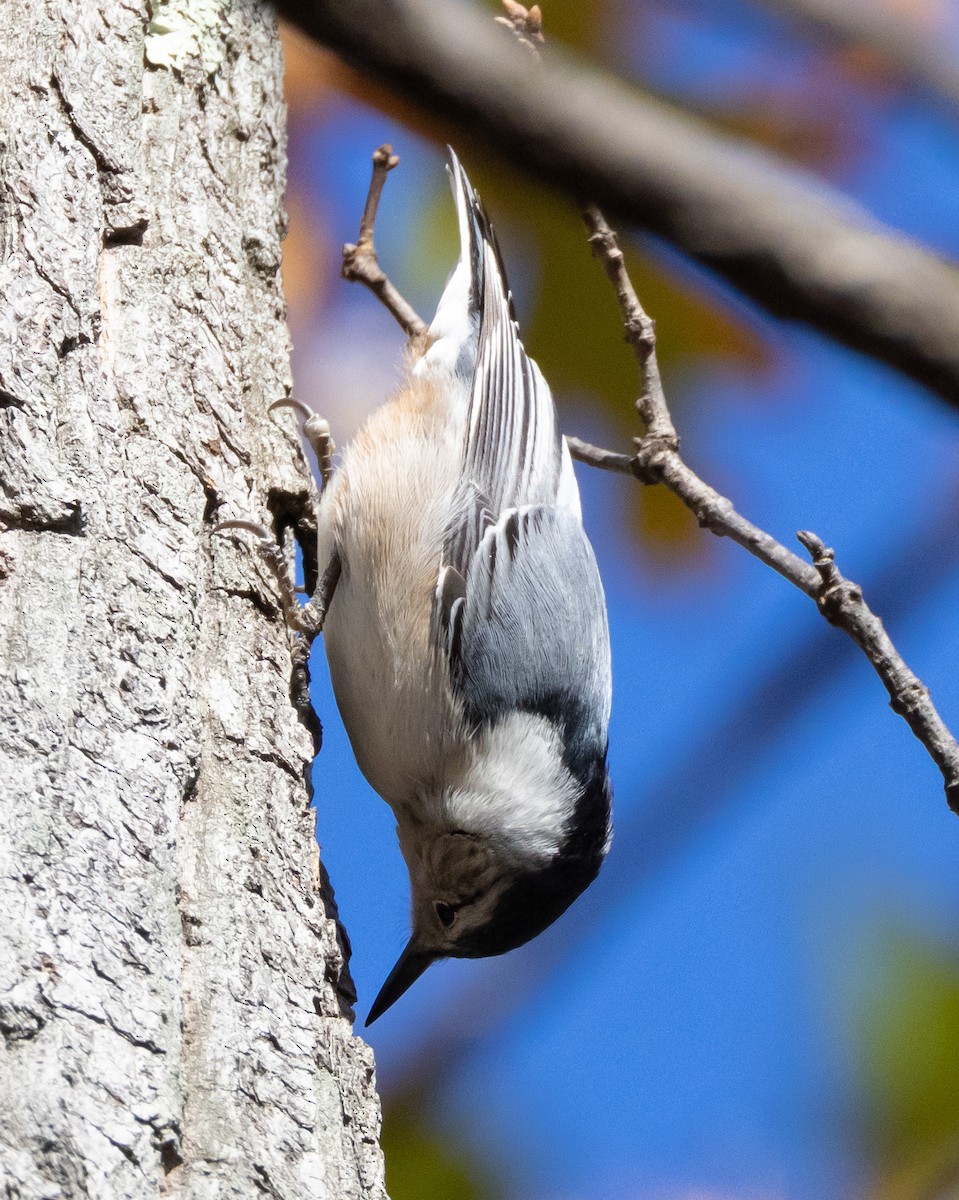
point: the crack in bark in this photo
(30, 518)
(140, 1043)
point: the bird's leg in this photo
(311, 618)
(313, 614)
(272, 555)
(303, 619)
(316, 430)
(306, 619)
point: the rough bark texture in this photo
(174, 997)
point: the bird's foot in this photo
(316, 430)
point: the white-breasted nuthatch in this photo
(465, 628)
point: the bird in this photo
(465, 627)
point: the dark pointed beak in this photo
(412, 963)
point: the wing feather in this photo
(521, 616)
(512, 450)
(533, 634)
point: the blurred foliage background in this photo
(760, 996)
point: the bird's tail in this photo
(513, 452)
(454, 331)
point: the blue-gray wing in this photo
(520, 611)
(527, 629)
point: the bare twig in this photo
(784, 237)
(841, 603)
(526, 23)
(657, 460)
(360, 263)
(596, 456)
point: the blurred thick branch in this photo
(798, 248)
(904, 41)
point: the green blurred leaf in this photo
(422, 1164)
(908, 1033)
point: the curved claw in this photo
(297, 405)
(306, 620)
(261, 531)
(316, 430)
(272, 555)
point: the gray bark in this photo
(174, 996)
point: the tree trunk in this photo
(174, 996)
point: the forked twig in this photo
(657, 460)
(360, 263)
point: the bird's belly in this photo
(395, 717)
(389, 513)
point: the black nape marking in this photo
(534, 900)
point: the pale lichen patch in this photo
(183, 30)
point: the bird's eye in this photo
(446, 913)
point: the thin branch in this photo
(657, 460)
(360, 263)
(596, 456)
(782, 236)
(841, 603)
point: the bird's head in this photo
(475, 894)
